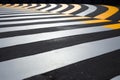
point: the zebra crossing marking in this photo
(17, 40)
(48, 8)
(36, 59)
(32, 5)
(76, 7)
(91, 8)
(41, 6)
(111, 10)
(12, 69)
(64, 6)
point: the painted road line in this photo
(41, 63)
(41, 6)
(48, 8)
(76, 7)
(17, 40)
(91, 8)
(41, 20)
(24, 14)
(64, 6)
(38, 26)
(52, 44)
(32, 16)
(32, 5)
(113, 26)
(111, 11)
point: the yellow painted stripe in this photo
(74, 18)
(64, 6)
(113, 26)
(95, 21)
(111, 11)
(76, 7)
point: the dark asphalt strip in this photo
(66, 9)
(100, 9)
(115, 17)
(34, 6)
(83, 8)
(57, 7)
(102, 67)
(52, 44)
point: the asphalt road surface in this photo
(59, 42)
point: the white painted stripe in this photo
(22, 6)
(9, 10)
(12, 12)
(64, 6)
(38, 26)
(18, 69)
(41, 6)
(40, 20)
(23, 14)
(15, 5)
(17, 40)
(76, 8)
(32, 16)
(91, 8)
(6, 5)
(48, 8)
(32, 5)
(3, 14)
(116, 78)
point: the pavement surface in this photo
(59, 42)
